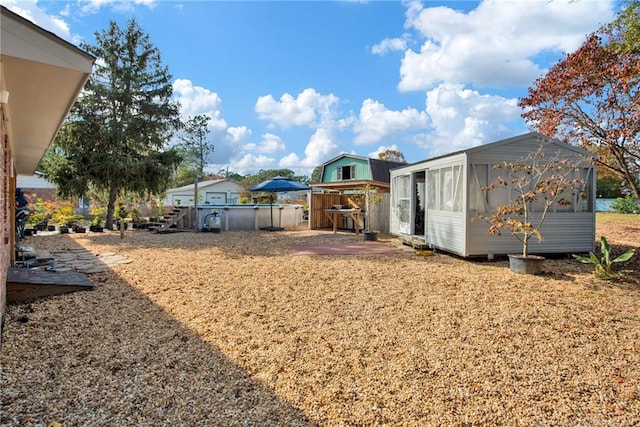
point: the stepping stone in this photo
(95, 270)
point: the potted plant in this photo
(536, 183)
(98, 216)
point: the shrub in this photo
(98, 215)
(39, 213)
(609, 187)
(627, 204)
(63, 213)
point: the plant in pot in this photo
(537, 184)
(38, 217)
(98, 216)
(66, 216)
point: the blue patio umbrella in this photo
(278, 184)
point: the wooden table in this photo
(334, 216)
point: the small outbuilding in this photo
(436, 202)
(348, 172)
(346, 175)
(211, 192)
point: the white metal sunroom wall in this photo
(445, 202)
(566, 230)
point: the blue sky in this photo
(294, 84)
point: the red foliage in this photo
(591, 99)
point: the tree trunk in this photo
(113, 193)
(636, 192)
(624, 173)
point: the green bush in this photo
(98, 215)
(626, 204)
(609, 187)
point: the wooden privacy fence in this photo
(318, 203)
(379, 215)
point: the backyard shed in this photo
(211, 192)
(435, 202)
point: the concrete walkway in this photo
(84, 261)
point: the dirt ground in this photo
(232, 329)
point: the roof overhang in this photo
(43, 76)
(352, 185)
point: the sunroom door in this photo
(402, 187)
(420, 222)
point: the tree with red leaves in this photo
(591, 97)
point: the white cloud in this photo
(376, 122)
(250, 163)
(496, 44)
(93, 6)
(290, 161)
(270, 144)
(463, 118)
(320, 148)
(238, 133)
(390, 45)
(308, 109)
(195, 100)
(29, 9)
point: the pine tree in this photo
(115, 139)
(195, 148)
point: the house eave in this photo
(43, 75)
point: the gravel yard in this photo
(231, 329)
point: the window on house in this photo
(346, 173)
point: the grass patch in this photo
(614, 218)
